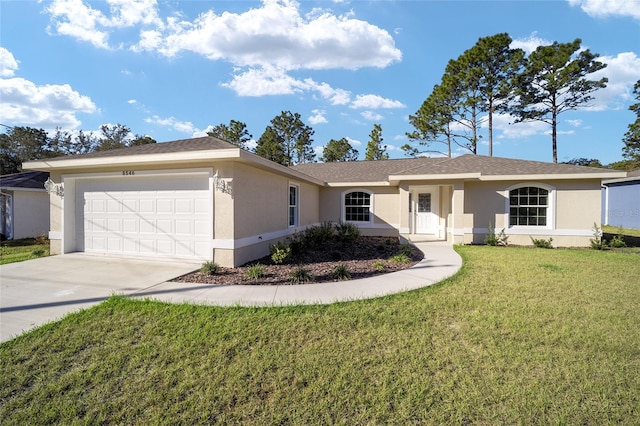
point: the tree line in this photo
(489, 78)
(20, 144)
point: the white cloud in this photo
(371, 116)
(605, 8)
(504, 129)
(78, 20)
(132, 102)
(23, 102)
(375, 102)
(318, 117)
(265, 81)
(622, 70)
(276, 34)
(8, 64)
(354, 142)
(172, 122)
(335, 96)
(530, 43)
(574, 123)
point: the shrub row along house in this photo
(205, 199)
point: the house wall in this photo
(622, 204)
(576, 207)
(386, 208)
(30, 214)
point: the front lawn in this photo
(23, 249)
(519, 336)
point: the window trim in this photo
(295, 206)
(343, 215)
(551, 206)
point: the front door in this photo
(426, 213)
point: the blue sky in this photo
(173, 69)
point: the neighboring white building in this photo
(24, 205)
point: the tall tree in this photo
(494, 65)
(554, 81)
(433, 123)
(142, 140)
(339, 150)
(375, 149)
(295, 137)
(21, 144)
(271, 146)
(236, 133)
(114, 136)
(631, 139)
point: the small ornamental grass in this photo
(379, 266)
(400, 258)
(542, 243)
(209, 268)
(301, 275)
(341, 272)
(255, 272)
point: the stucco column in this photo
(457, 213)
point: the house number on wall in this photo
(128, 172)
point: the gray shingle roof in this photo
(183, 145)
(362, 171)
(379, 171)
(31, 180)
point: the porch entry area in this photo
(427, 214)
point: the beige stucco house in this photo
(205, 199)
(24, 205)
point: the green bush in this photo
(618, 240)
(347, 233)
(209, 268)
(400, 258)
(280, 252)
(406, 249)
(542, 243)
(341, 272)
(501, 239)
(379, 265)
(597, 242)
(255, 272)
(301, 275)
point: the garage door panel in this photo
(145, 216)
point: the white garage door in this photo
(159, 216)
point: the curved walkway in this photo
(440, 262)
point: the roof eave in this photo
(553, 176)
(354, 184)
(127, 160)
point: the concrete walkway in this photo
(440, 262)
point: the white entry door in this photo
(426, 213)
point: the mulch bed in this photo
(362, 260)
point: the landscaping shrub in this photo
(379, 265)
(400, 258)
(347, 233)
(280, 252)
(301, 275)
(597, 242)
(542, 243)
(255, 272)
(406, 249)
(38, 252)
(209, 268)
(342, 272)
(501, 239)
(618, 240)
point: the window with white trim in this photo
(357, 206)
(529, 206)
(293, 205)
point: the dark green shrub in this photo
(618, 240)
(209, 268)
(542, 243)
(38, 252)
(341, 272)
(406, 250)
(301, 275)
(347, 233)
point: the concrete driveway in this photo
(37, 291)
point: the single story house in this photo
(206, 199)
(621, 201)
(24, 205)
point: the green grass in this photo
(519, 336)
(24, 249)
(625, 231)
